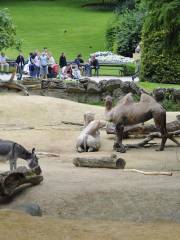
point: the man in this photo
(4, 65)
(94, 65)
(62, 61)
(20, 65)
(43, 65)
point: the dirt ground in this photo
(87, 203)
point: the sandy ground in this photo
(78, 197)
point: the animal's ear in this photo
(33, 150)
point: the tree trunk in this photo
(103, 162)
(11, 181)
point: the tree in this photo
(124, 32)
(160, 36)
(8, 31)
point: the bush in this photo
(160, 58)
(124, 32)
(128, 69)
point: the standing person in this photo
(37, 63)
(94, 65)
(137, 58)
(62, 61)
(43, 65)
(32, 70)
(51, 62)
(20, 65)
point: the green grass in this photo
(151, 86)
(43, 24)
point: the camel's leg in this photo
(118, 146)
(160, 122)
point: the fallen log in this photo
(11, 181)
(140, 129)
(14, 86)
(104, 162)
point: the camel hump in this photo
(147, 99)
(127, 99)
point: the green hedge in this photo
(128, 69)
(158, 65)
(160, 49)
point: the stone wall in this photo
(84, 90)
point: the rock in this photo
(84, 80)
(92, 87)
(159, 94)
(110, 85)
(74, 87)
(32, 209)
(176, 95)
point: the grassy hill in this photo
(60, 25)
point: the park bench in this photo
(11, 68)
(121, 68)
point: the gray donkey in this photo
(11, 151)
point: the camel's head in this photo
(108, 103)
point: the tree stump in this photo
(104, 162)
(11, 181)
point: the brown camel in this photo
(128, 112)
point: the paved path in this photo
(6, 77)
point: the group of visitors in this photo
(40, 65)
(78, 67)
(43, 65)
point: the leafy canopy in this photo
(8, 31)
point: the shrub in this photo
(128, 69)
(160, 58)
(124, 32)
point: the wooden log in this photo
(140, 129)
(11, 181)
(104, 162)
(14, 86)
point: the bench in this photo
(121, 68)
(10, 68)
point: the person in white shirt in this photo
(3, 64)
(43, 65)
(37, 64)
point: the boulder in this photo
(32, 209)
(176, 95)
(93, 87)
(74, 87)
(159, 94)
(110, 85)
